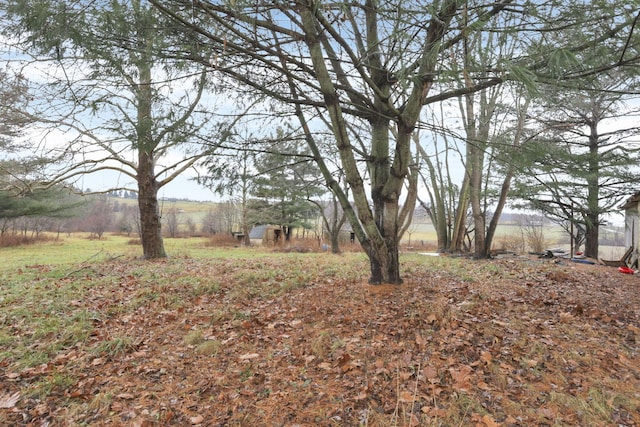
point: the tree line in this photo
(373, 107)
(100, 214)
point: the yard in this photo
(91, 335)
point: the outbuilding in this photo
(266, 235)
(631, 209)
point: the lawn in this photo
(92, 335)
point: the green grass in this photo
(39, 316)
(74, 249)
(67, 250)
(115, 346)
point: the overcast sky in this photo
(180, 188)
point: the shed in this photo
(265, 235)
(631, 209)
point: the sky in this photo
(183, 187)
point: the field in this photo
(511, 236)
(92, 335)
(422, 236)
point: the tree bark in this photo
(460, 222)
(593, 194)
(475, 192)
(437, 211)
(375, 220)
(150, 221)
(506, 182)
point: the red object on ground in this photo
(626, 270)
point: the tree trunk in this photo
(246, 233)
(460, 223)
(502, 200)
(593, 195)
(384, 254)
(506, 183)
(335, 241)
(150, 221)
(591, 236)
(376, 225)
(334, 225)
(476, 208)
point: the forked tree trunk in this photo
(376, 222)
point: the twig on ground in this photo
(89, 259)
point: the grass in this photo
(239, 324)
(115, 346)
(40, 314)
(78, 248)
(54, 383)
(509, 236)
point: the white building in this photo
(631, 209)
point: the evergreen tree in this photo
(122, 93)
(585, 159)
(286, 182)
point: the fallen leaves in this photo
(198, 419)
(498, 350)
(249, 356)
(461, 378)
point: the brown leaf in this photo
(489, 421)
(483, 386)
(633, 329)
(566, 317)
(325, 366)
(249, 356)
(461, 377)
(486, 357)
(198, 419)
(548, 413)
(343, 360)
(8, 401)
(125, 396)
(406, 397)
(98, 361)
(431, 374)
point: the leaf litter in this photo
(303, 340)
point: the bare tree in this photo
(99, 217)
(365, 69)
(172, 221)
